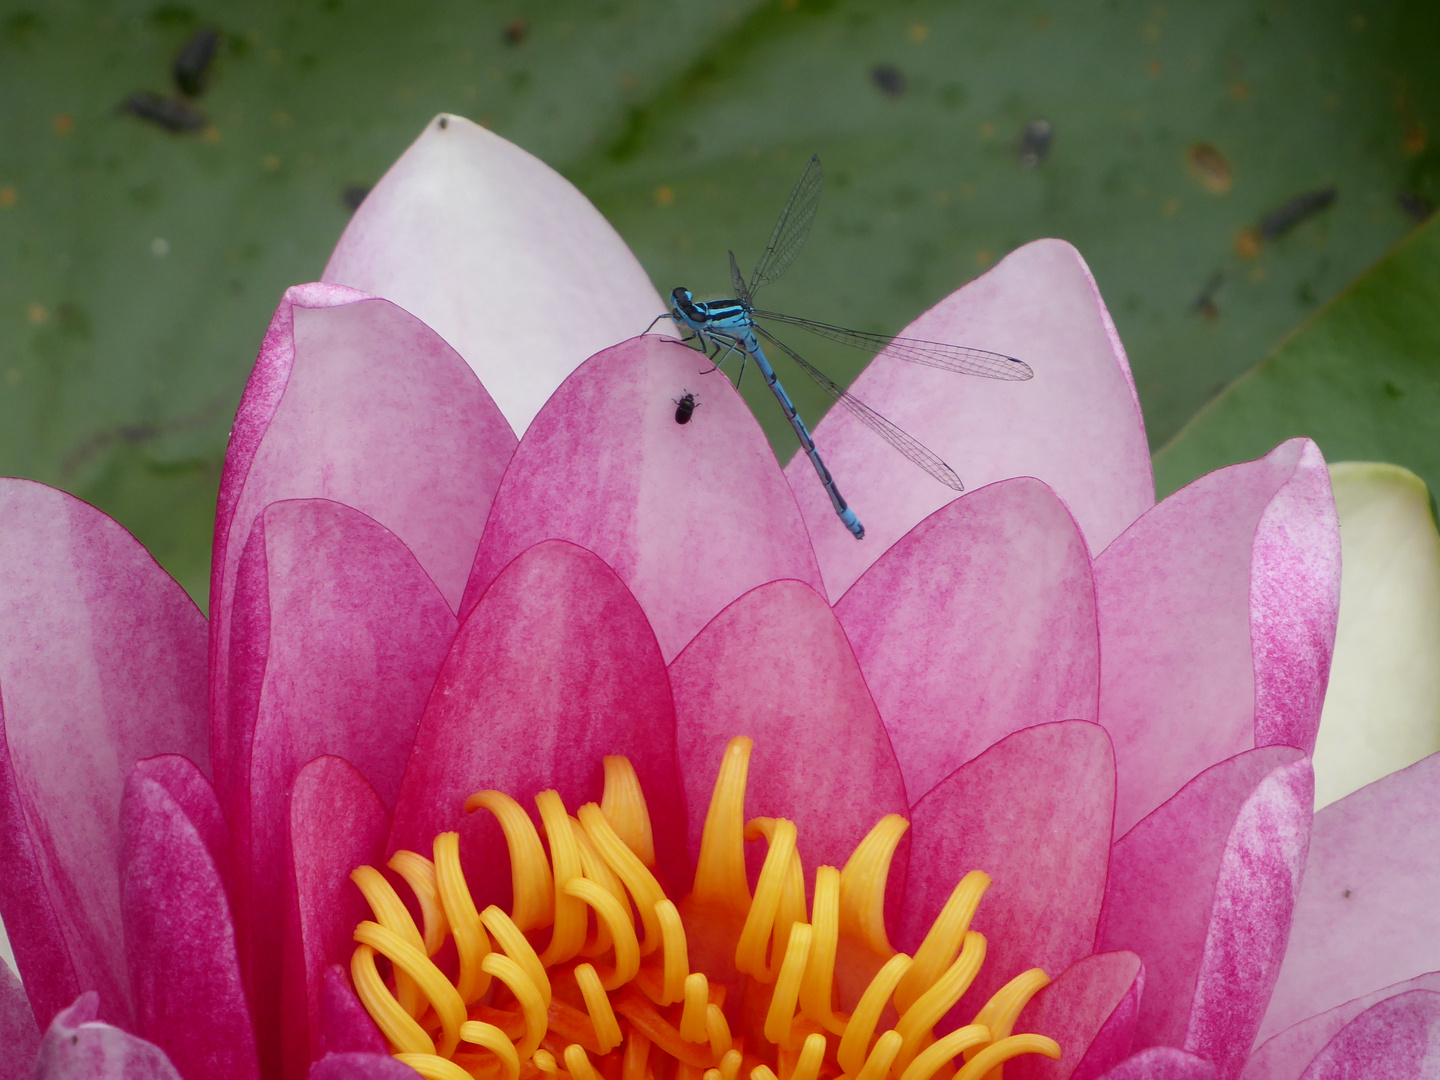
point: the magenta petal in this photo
(689, 516)
(1051, 780)
(554, 668)
(1162, 1063)
(19, 1037)
(979, 621)
(775, 665)
(1090, 1010)
(77, 1047)
(1217, 617)
(336, 637)
(102, 661)
(345, 1026)
(1397, 1039)
(191, 792)
(179, 938)
(337, 823)
(357, 1066)
(1076, 425)
(1203, 889)
(1367, 915)
(355, 400)
(1286, 1055)
(501, 255)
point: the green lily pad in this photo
(1362, 378)
(140, 266)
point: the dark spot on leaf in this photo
(191, 67)
(1035, 143)
(1204, 304)
(172, 114)
(889, 79)
(71, 320)
(173, 15)
(516, 31)
(442, 123)
(1285, 217)
(1392, 390)
(1417, 207)
(19, 26)
(354, 195)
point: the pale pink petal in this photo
(1286, 1055)
(1076, 425)
(336, 636)
(502, 256)
(337, 823)
(1367, 915)
(1051, 780)
(359, 1066)
(1396, 1039)
(554, 668)
(19, 1035)
(1178, 892)
(345, 1026)
(980, 621)
(690, 516)
(1090, 1010)
(78, 1047)
(775, 665)
(355, 400)
(1163, 1063)
(179, 938)
(102, 661)
(1217, 618)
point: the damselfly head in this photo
(682, 302)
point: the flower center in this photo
(630, 986)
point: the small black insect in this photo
(168, 113)
(191, 67)
(888, 79)
(1282, 219)
(685, 408)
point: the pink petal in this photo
(1217, 617)
(1033, 812)
(502, 256)
(336, 637)
(191, 792)
(1286, 1055)
(345, 1026)
(102, 663)
(337, 823)
(1162, 1063)
(1076, 425)
(979, 621)
(77, 1047)
(1203, 889)
(1366, 916)
(554, 668)
(1397, 1039)
(357, 1066)
(689, 516)
(355, 400)
(19, 1036)
(775, 665)
(189, 997)
(1090, 1010)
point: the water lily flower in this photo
(473, 586)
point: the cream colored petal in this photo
(1382, 709)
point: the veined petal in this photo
(1366, 916)
(1382, 708)
(1090, 1010)
(690, 516)
(1076, 425)
(101, 664)
(775, 665)
(502, 256)
(1217, 618)
(1163, 1063)
(1042, 908)
(78, 1047)
(553, 669)
(355, 400)
(1398, 1038)
(979, 621)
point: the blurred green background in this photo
(139, 267)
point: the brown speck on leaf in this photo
(1210, 167)
(516, 31)
(1247, 244)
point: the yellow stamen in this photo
(792, 889)
(942, 943)
(816, 988)
(750, 950)
(545, 1062)
(1003, 1009)
(620, 929)
(1002, 1051)
(437, 989)
(419, 874)
(434, 1068)
(494, 1040)
(637, 1056)
(877, 1065)
(855, 1043)
(578, 1062)
(928, 1062)
(642, 886)
(623, 805)
(730, 1065)
(787, 987)
(514, 944)
(529, 870)
(916, 1021)
(527, 995)
(717, 1030)
(692, 1019)
(568, 933)
(390, 912)
(812, 1056)
(677, 960)
(720, 871)
(397, 1025)
(762, 1072)
(862, 883)
(470, 941)
(607, 1028)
